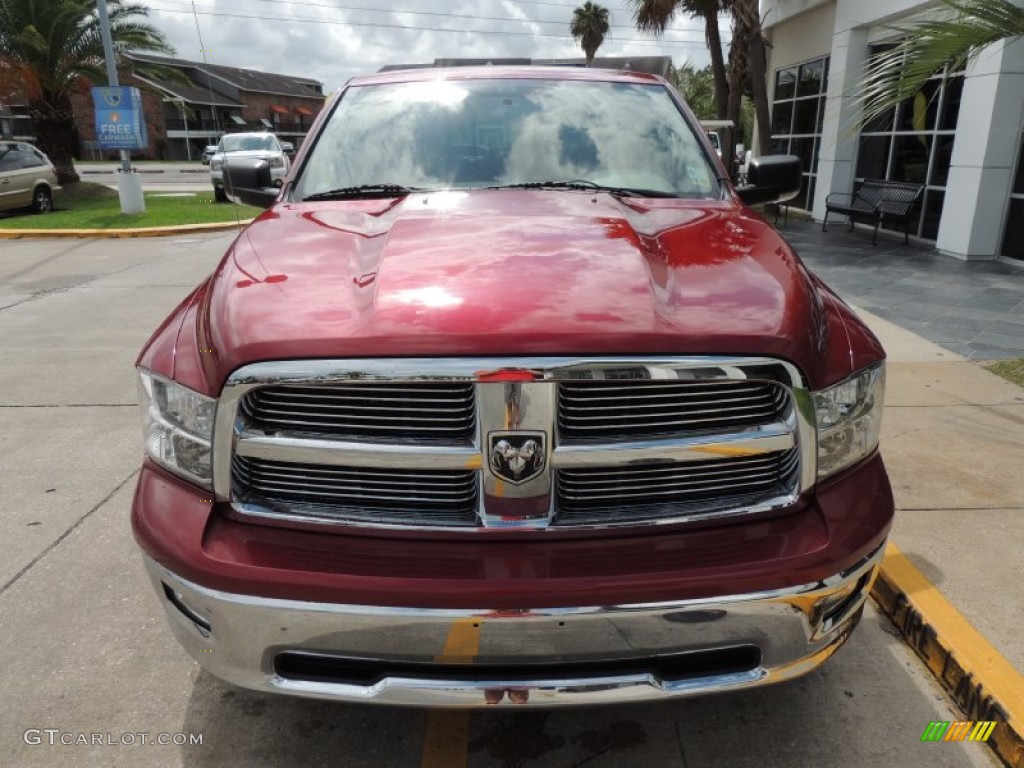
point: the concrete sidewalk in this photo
(953, 440)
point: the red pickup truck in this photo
(508, 397)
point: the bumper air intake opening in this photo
(835, 614)
(312, 667)
(201, 624)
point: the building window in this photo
(914, 142)
(798, 112)
(1013, 235)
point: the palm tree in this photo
(931, 47)
(655, 15)
(51, 50)
(589, 26)
(746, 55)
(748, 52)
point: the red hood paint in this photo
(502, 272)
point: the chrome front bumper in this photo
(545, 657)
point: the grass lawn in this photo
(1011, 370)
(93, 206)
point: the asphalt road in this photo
(156, 177)
(86, 646)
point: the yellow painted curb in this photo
(981, 681)
(183, 229)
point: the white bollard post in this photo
(129, 190)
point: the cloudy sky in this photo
(333, 40)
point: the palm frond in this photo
(931, 47)
(654, 15)
(697, 87)
(50, 46)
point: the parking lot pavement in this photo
(88, 651)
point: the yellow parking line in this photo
(463, 643)
(981, 681)
(447, 738)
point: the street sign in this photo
(120, 123)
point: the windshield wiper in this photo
(363, 191)
(582, 184)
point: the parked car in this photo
(27, 178)
(208, 152)
(257, 146)
(509, 364)
(716, 142)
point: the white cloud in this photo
(332, 40)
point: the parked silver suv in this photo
(260, 146)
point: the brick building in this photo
(14, 122)
(6, 122)
(209, 100)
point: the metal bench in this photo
(874, 200)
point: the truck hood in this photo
(509, 272)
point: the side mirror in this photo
(287, 147)
(248, 181)
(772, 179)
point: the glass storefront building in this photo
(959, 137)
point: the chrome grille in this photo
(602, 410)
(391, 411)
(410, 442)
(681, 489)
(395, 496)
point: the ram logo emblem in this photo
(517, 457)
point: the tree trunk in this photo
(747, 18)
(737, 74)
(759, 75)
(714, 41)
(54, 124)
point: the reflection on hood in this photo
(512, 272)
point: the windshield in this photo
(495, 132)
(247, 143)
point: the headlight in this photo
(215, 163)
(177, 427)
(849, 417)
(277, 162)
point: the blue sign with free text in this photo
(119, 120)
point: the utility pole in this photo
(129, 188)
